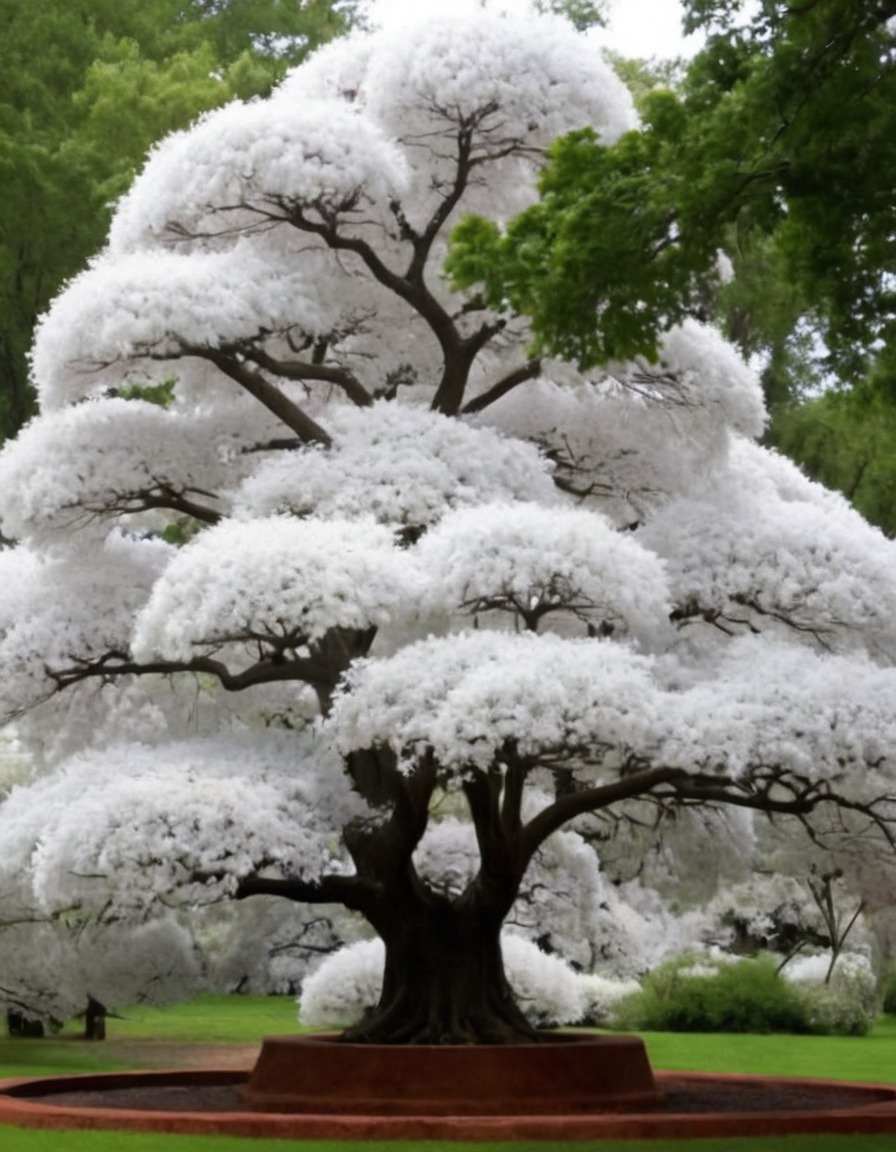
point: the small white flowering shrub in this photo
(347, 983)
(603, 995)
(844, 1006)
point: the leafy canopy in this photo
(782, 128)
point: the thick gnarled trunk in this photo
(444, 982)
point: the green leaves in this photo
(88, 86)
(599, 264)
(783, 132)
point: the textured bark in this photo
(444, 981)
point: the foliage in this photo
(88, 87)
(782, 131)
(431, 608)
(603, 996)
(844, 1005)
(693, 994)
(845, 439)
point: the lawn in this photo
(243, 1020)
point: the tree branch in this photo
(302, 370)
(568, 805)
(530, 371)
(265, 393)
(352, 892)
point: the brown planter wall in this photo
(566, 1075)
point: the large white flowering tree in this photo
(315, 562)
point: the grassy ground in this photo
(22, 1140)
(135, 1040)
(870, 1058)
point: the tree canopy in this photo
(324, 588)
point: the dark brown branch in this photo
(352, 892)
(530, 371)
(265, 393)
(114, 664)
(302, 370)
(165, 497)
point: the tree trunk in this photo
(444, 982)
(95, 1020)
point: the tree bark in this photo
(444, 980)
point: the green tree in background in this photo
(88, 85)
(776, 145)
(846, 438)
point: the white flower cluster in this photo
(100, 459)
(467, 697)
(565, 563)
(759, 548)
(272, 580)
(189, 819)
(405, 466)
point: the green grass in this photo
(228, 1020)
(207, 1020)
(210, 1020)
(22, 1140)
(871, 1058)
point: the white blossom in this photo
(277, 578)
(565, 563)
(403, 465)
(466, 697)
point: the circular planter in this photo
(602, 1102)
(565, 1075)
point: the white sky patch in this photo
(638, 28)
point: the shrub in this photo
(845, 1006)
(603, 996)
(349, 981)
(889, 990)
(698, 994)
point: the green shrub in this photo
(889, 991)
(693, 994)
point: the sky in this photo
(638, 28)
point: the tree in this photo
(314, 558)
(88, 87)
(846, 438)
(781, 131)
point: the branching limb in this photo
(352, 892)
(529, 371)
(304, 370)
(308, 431)
(320, 670)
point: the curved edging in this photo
(21, 1104)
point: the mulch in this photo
(681, 1099)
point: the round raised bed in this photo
(457, 1105)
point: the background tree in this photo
(774, 145)
(846, 438)
(88, 87)
(371, 564)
